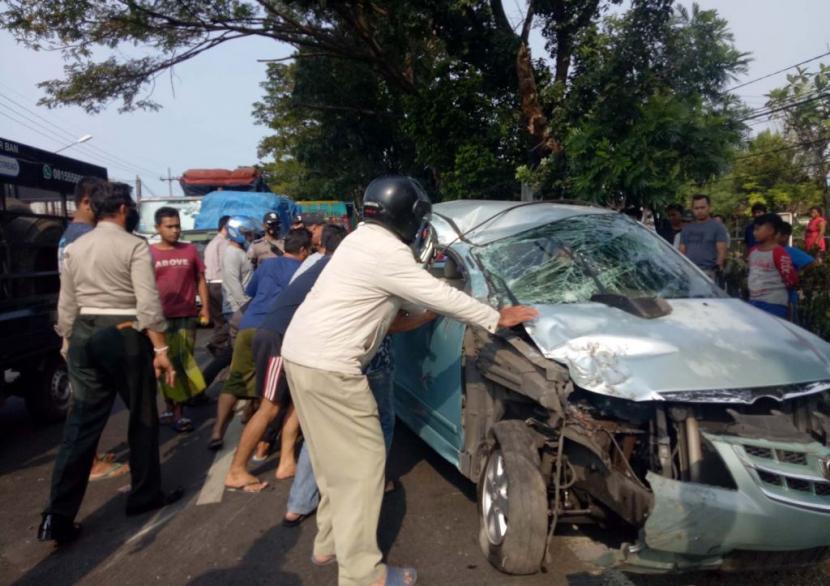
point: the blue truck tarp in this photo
(244, 203)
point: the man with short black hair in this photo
(179, 274)
(272, 387)
(318, 233)
(704, 241)
(83, 221)
(83, 218)
(758, 210)
(108, 300)
(672, 224)
(214, 253)
(267, 281)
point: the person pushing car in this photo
(333, 335)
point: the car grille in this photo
(791, 476)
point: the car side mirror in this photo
(424, 245)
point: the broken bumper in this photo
(782, 504)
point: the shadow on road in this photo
(408, 450)
(262, 564)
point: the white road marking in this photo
(214, 486)
(160, 518)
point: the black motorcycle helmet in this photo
(398, 203)
(271, 220)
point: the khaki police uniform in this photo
(107, 283)
(333, 335)
(265, 247)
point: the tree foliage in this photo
(768, 171)
(804, 109)
(624, 107)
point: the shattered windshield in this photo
(570, 260)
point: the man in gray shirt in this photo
(704, 241)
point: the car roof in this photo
(484, 221)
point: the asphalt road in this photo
(214, 537)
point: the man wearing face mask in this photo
(109, 310)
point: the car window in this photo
(571, 260)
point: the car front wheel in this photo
(512, 502)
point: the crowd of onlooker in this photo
(773, 263)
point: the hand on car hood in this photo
(703, 345)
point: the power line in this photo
(786, 102)
(75, 131)
(60, 141)
(85, 148)
(778, 150)
(33, 129)
(751, 81)
(784, 107)
(107, 160)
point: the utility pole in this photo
(137, 189)
(170, 179)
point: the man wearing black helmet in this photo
(270, 245)
(333, 335)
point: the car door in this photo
(428, 374)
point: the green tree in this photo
(767, 170)
(803, 106)
(443, 89)
(647, 108)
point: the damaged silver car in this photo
(642, 396)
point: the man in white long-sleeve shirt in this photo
(333, 335)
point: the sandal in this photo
(183, 425)
(253, 487)
(115, 470)
(216, 444)
(396, 576)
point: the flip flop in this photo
(248, 488)
(117, 469)
(183, 425)
(396, 576)
(216, 444)
(328, 562)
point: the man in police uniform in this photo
(332, 336)
(110, 312)
(270, 245)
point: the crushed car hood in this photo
(718, 350)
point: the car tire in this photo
(512, 501)
(49, 395)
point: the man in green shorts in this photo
(180, 272)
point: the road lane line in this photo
(214, 486)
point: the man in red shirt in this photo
(179, 274)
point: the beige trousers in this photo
(340, 423)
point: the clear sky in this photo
(206, 119)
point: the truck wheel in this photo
(49, 396)
(512, 502)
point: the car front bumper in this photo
(781, 507)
